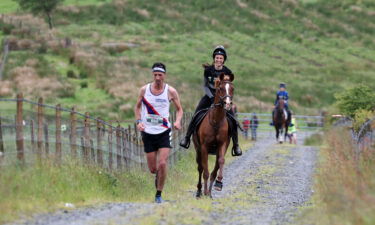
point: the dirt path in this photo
(266, 185)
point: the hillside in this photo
(99, 52)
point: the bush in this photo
(83, 75)
(84, 84)
(361, 117)
(6, 28)
(42, 48)
(71, 74)
(354, 99)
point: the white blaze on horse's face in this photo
(227, 100)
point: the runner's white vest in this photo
(155, 111)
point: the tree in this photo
(358, 98)
(36, 7)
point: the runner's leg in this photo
(162, 167)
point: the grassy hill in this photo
(317, 47)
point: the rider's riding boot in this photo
(236, 150)
(271, 124)
(185, 142)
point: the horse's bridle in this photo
(221, 102)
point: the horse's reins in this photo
(220, 104)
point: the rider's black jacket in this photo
(210, 73)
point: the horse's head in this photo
(224, 90)
(281, 104)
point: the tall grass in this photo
(345, 184)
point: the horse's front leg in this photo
(214, 173)
(277, 133)
(281, 132)
(206, 173)
(221, 161)
(286, 132)
(200, 171)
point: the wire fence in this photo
(303, 122)
(364, 138)
(33, 131)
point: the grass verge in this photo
(345, 184)
(46, 187)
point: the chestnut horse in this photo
(280, 121)
(213, 136)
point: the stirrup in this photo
(185, 142)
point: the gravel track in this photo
(266, 185)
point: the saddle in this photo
(198, 118)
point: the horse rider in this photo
(152, 119)
(212, 72)
(282, 93)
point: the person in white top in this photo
(152, 118)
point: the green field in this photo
(317, 47)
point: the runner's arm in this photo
(175, 98)
(137, 108)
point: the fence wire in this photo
(47, 131)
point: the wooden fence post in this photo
(99, 134)
(86, 135)
(58, 133)
(46, 137)
(83, 148)
(73, 133)
(118, 147)
(110, 156)
(40, 128)
(32, 135)
(1, 140)
(19, 129)
(124, 150)
(92, 147)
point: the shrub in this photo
(6, 28)
(84, 84)
(362, 116)
(71, 74)
(357, 98)
(83, 75)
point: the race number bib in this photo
(154, 119)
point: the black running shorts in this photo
(153, 142)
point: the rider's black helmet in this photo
(282, 85)
(219, 50)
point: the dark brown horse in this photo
(280, 121)
(213, 136)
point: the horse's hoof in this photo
(218, 185)
(198, 194)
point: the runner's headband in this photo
(158, 69)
